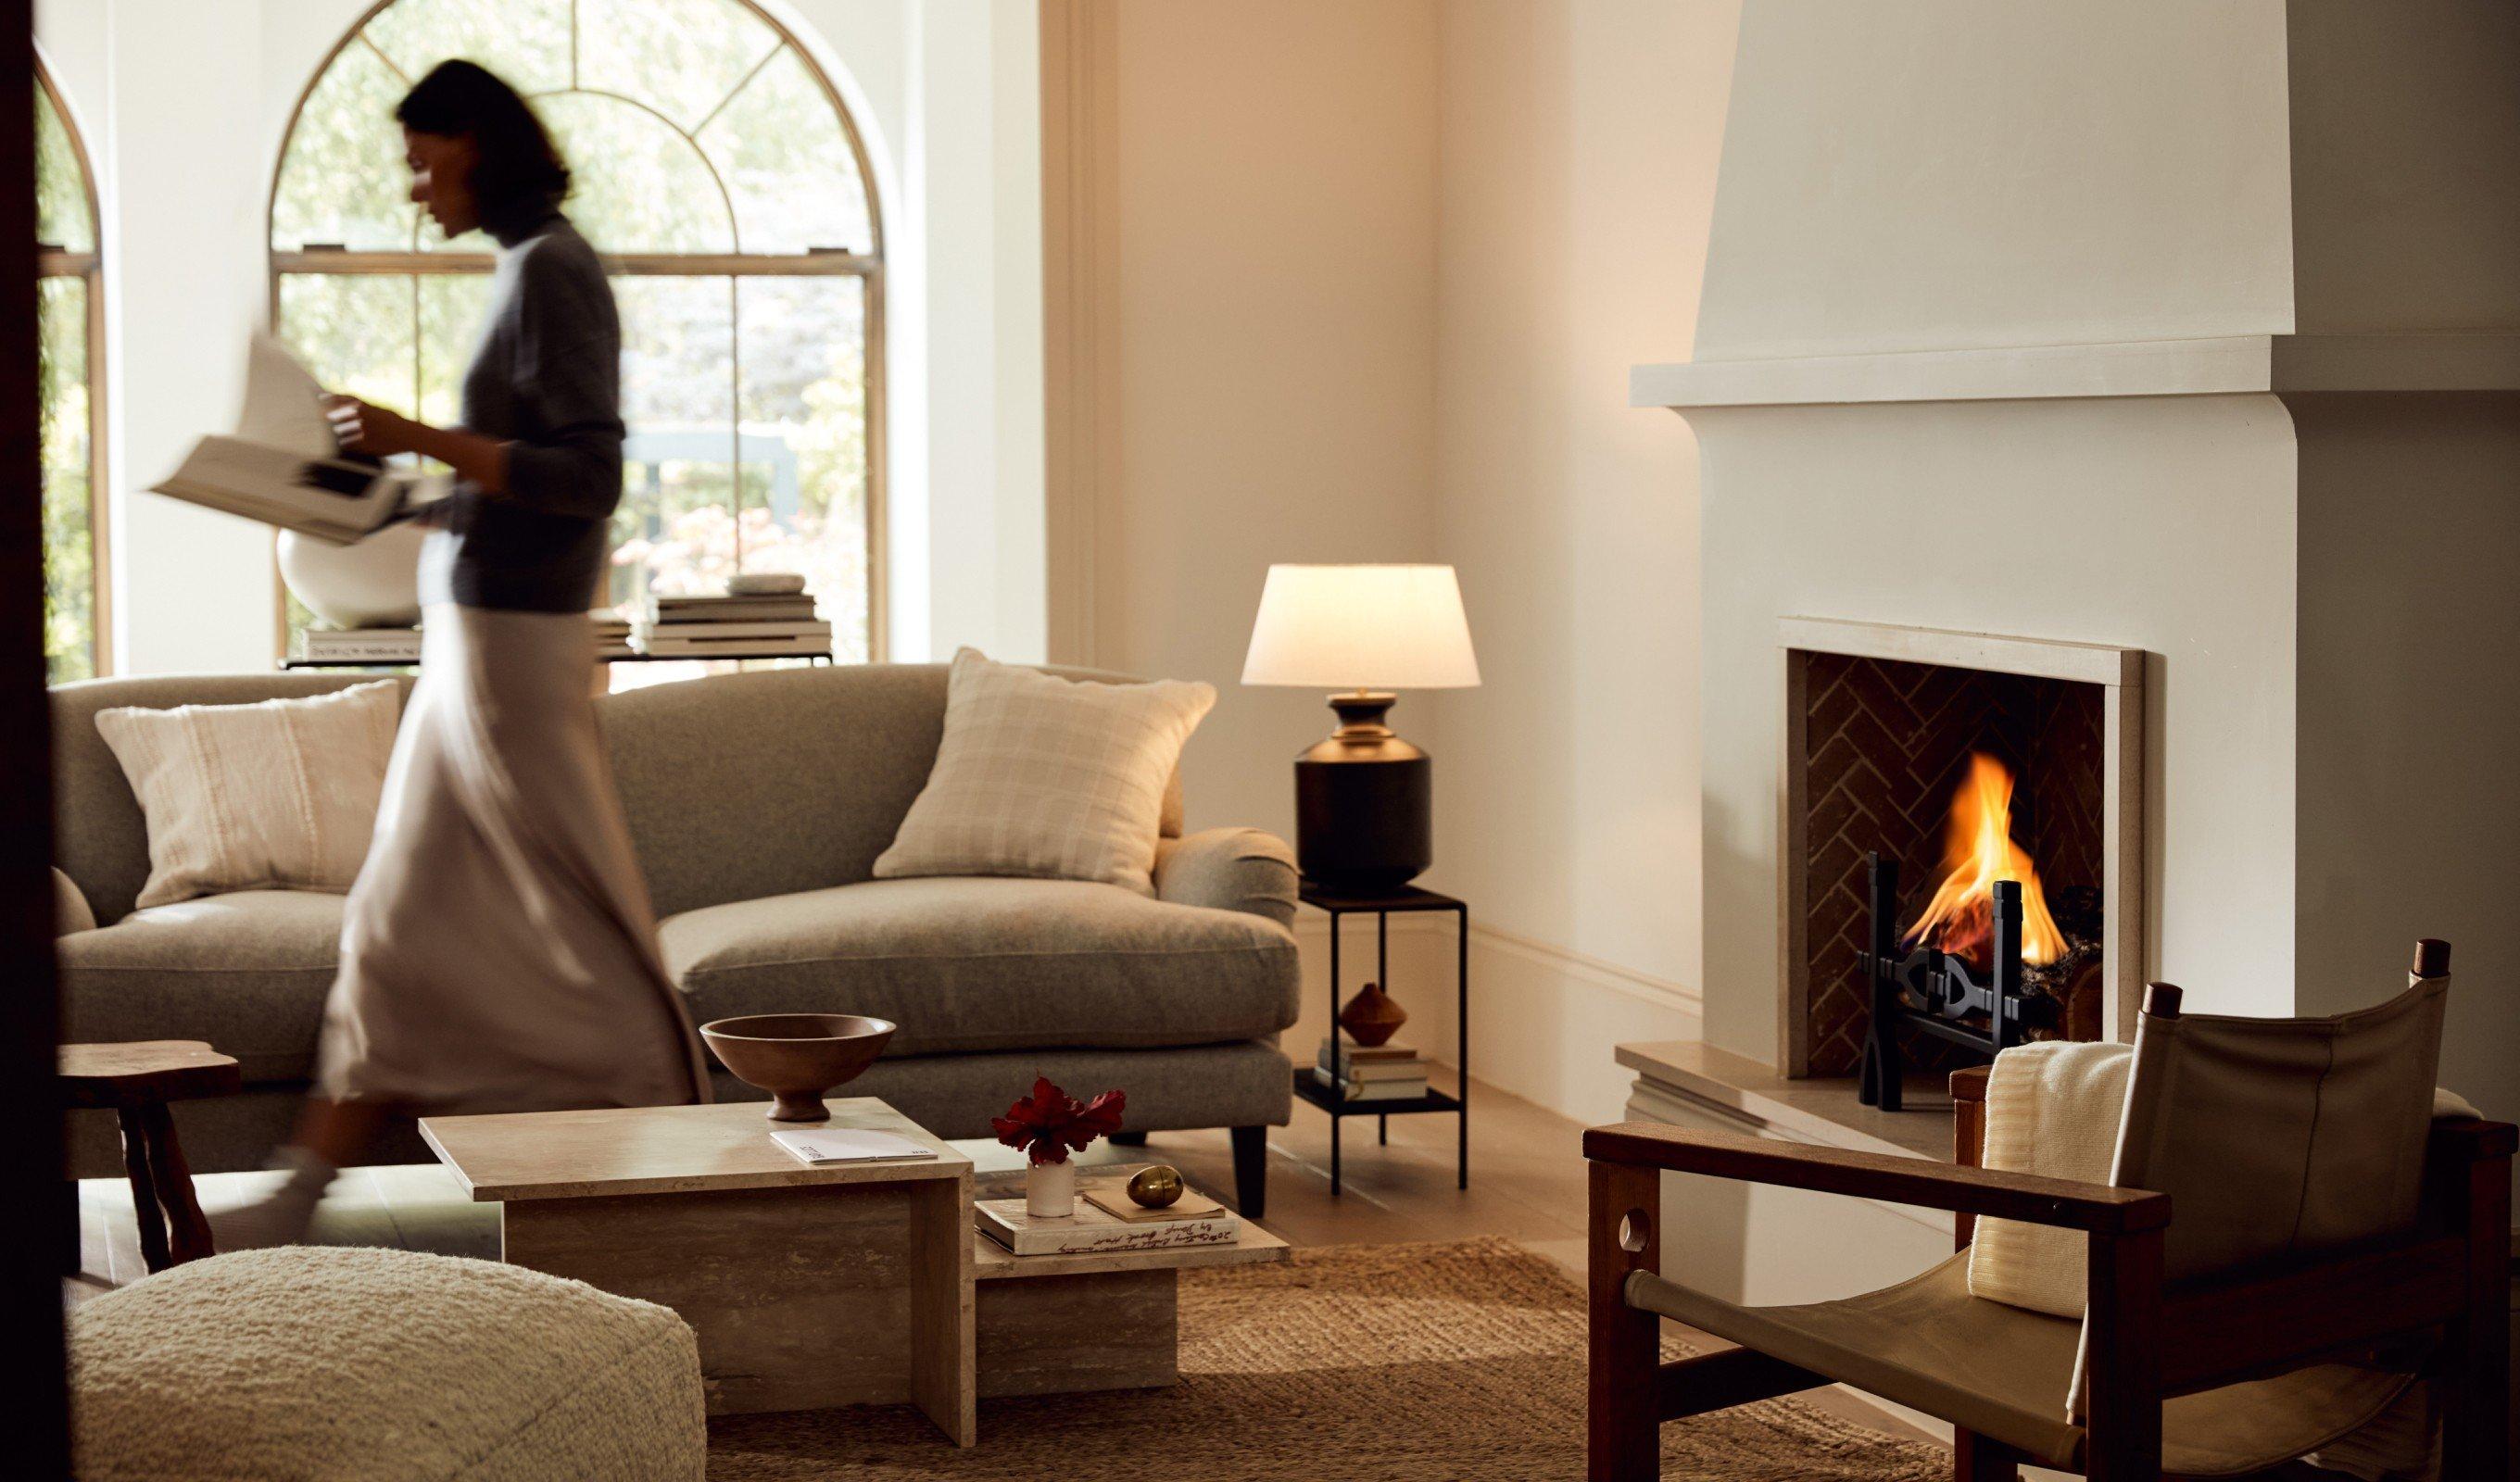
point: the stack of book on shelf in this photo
(1370, 1073)
(611, 634)
(763, 617)
(359, 646)
(1105, 1219)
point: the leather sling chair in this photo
(2285, 1224)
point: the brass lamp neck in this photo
(1362, 715)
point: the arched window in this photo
(721, 177)
(71, 318)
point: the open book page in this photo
(284, 405)
(282, 466)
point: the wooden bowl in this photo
(797, 1057)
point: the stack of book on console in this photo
(1370, 1073)
(1106, 1221)
(763, 616)
(359, 646)
(611, 634)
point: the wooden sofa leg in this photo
(1251, 1171)
(1975, 1458)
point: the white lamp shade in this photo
(1362, 628)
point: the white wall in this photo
(1579, 145)
(1274, 315)
(2165, 523)
(1940, 174)
(185, 177)
(2410, 697)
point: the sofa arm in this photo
(1245, 870)
(71, 911)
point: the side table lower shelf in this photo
(1403, 900)
(1309, 1088)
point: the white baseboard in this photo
(1544, 1019)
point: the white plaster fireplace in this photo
(2186, 337)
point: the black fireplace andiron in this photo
(1932, 989)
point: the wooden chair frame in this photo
(2148, 1341)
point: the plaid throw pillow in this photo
(1052, 778)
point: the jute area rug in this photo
(1435, 1362)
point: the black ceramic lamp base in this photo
(1364, 803)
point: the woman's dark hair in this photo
(516, 171)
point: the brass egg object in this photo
(1157, 1188)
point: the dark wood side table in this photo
(1405, 900)
(137, 1080)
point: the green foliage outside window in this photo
(67, 230)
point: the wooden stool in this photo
(137, 1080)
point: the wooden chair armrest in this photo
(2094, 1208)
(2468, 1141)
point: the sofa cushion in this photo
(101, 841)
(247, 971)
(276, 794)
(1047, 778)
(743, 785)
(964, 964)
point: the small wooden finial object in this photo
(1372, 1015)
(2432, 958)
(2161, 999)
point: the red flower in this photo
(1050, 1124)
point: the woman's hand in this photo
(364, 428)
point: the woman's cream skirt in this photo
(498, 951)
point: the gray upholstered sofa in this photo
(758, 803)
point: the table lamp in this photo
(1364, 798)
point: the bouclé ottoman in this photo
(311, 1362)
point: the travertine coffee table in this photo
(1067, 1324)
(807, 1287)
(823, 1287)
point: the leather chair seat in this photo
(2003, 1372)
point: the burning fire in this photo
(1977, 851)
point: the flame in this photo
(1977, 851)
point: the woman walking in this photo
(498, 949)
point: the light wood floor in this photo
(1527, 1185)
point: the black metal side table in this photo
(1404, 900)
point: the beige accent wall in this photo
(1348, 282)
(1579, 146)
(1261, 306)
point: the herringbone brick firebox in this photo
(1879, 737)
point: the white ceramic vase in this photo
(1050, 1191)
(374, 583)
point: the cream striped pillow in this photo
(281, 795)
(1053, 778)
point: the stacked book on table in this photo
(1370, 1072)
(359, 646)
(1106, 1219)
(611, 634)
(766, 618)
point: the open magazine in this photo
(282, 466)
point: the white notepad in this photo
(824, 1145)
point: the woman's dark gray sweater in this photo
(546, 381)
